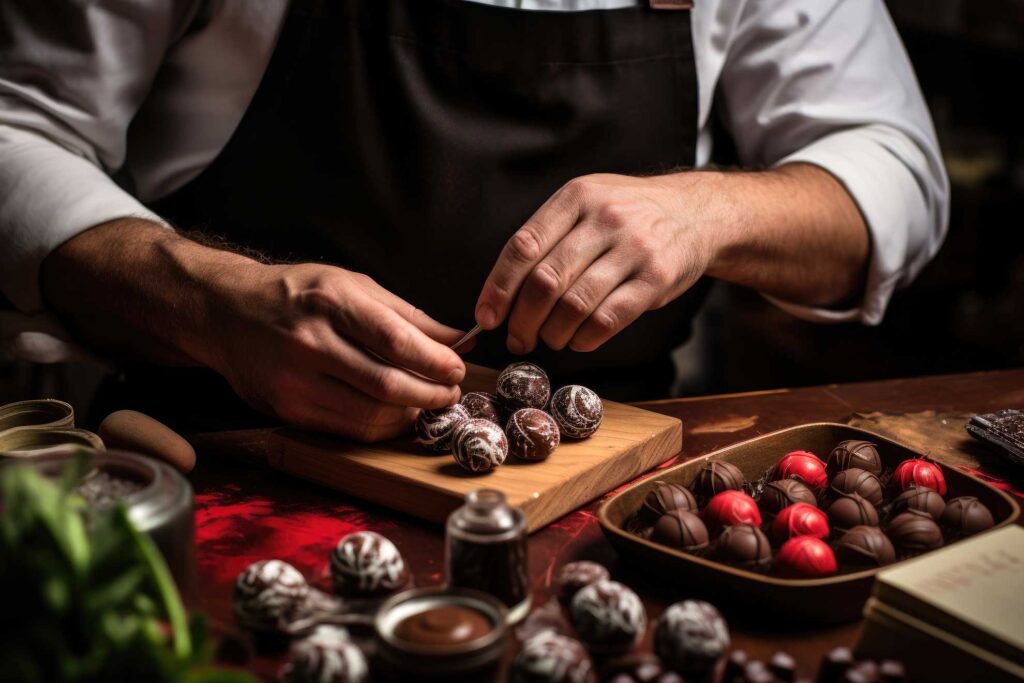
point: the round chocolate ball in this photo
(745, 546)
(861, 482)
(665, 497)
(690, 638)
(608, 617)
(532, 434)
(716, 476)
(918, 472)
(800, 519)
(366, 564)
(850, 510)
(802, 465)
(266, 592)
(434, 427)
(919, 498)
(681, 530)
(577, 410)
(479, 445)
(731, 507)
(865, 546)
(637, 667)
(783, 493)
(576, 576)
(862, 455)
(523, 385)
(328, 655)
(483, 405)
(805, 557)
(548, 657)
(913, 532)
(965, 516)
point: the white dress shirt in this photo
(149, 92)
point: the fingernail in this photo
(454, 377)
(515, 346)
(486, 316)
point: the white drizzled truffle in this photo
(523, 385)
(577, 410)
(326, 656)
(690, 637)
(532, 434)
(552, 658)
(608, 616)
(266, 591)
(365, 564)
(434, 427)
(479, 445)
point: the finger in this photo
(549, 281)
(340, 397)
(623, 306)
(525, 249)
(437, 331)
(582, 299)
(320, 418)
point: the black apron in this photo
(409, 139)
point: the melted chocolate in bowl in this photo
(443, 625)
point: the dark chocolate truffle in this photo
(865, 546)
(608, 617)
(638, 667)
(919, 498)
(783, 493)
(848, 511)
(914, 532)
(552, 658)
(367, 564)
(681, 530)
(523, 385)
(783, 666)
(576, 576)
(665, 497)
(266, 592)
(328, 655)
(485, 406)
(716, 476)
(577, 410)
(834, 665)
(532, 434)
(743, 545)
(965, 516)
(691, 637)
(861, 482)
(479, 445)
(854, 453)
(434, 427)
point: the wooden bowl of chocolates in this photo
(799, 521)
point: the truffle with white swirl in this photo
(690, 637)
(608, 617)
(434, 427)
(532, 434)
(328, 655)
(577, 410)
(552, 658)
(267, 593)
(523, 385)
(366, 564)
(479, 445)
(485, 405)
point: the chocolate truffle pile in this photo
(837, 666)
(522, 418)
(812, 518)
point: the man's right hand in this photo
(321, 347)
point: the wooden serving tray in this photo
(399, 474)
(832, 599)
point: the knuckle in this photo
(655, 275)
(395, 340)
(578, 189)
(386, 383)
(606, 321)
(545, 279)
(612, 213)
(525, 245)
(575, 304)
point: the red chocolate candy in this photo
(799, 519)
(802, 466)
(731, 507)
(805, 557)
(919, 472)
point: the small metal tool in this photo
(466, 337)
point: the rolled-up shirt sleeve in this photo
(828, 82)
(72, 76)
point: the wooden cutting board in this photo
(400, 475)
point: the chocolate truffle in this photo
(665, 497)
(734, 666)
(865, 546)
(479, 445)
(608, 617)
(743, 545)
(716, 476)
(861, 482)
(731, 507)
(485, 406)
(434, 427)
(681, 530)
(805, 557)
(523, 385)
(783, 493)
(851, 510)
(367, 564)
(532, 434)
(854, 453)
(965, 516)
(834, 665)
(803, 466)
(576, 576)
(638, 667)
(552, 658)
(266, 592)
(914, 532)
(918, 472)
(690, 638)
(799, 519)
(783, 666)
(328, 655)
(577, 410)
(919, 498)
